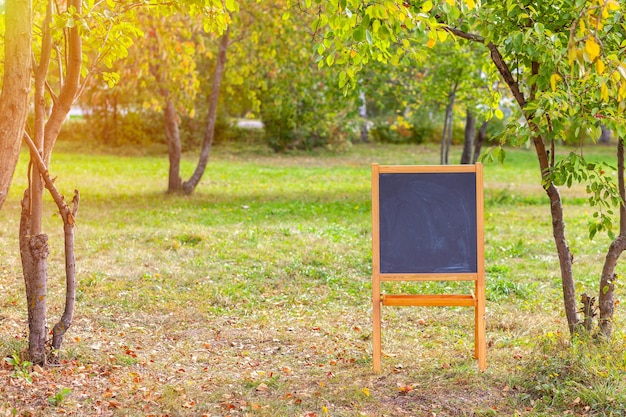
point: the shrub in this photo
(116, 129)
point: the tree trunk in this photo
(449, 132)
(34, 252)
(173, 147)
(556, 205)
(363, 116)
(68, 215)
(565, 255)
(468, 140)
(480, 139)
(446, 137)
(606, 299)
(15, 87)
(190, 185)
(605, 137)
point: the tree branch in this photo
(498, 61)
(469, 36)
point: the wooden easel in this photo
(474, 273)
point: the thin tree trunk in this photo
(468, 140)
(450, 132)
(444, 136)
(15, 87)
(70, 88)
(34, 252)
(190, 185)
(480, 139)
(174, 148)
(556, 206)
(363, 116)
(446, 140)
(605, 137)
(606, 299)
(565, 256)
(68, 215)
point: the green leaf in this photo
(359, 34)
(343, 78)
(375, 25)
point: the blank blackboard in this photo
(427, 222)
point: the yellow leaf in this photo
(613, 5)
(592, 48)
(431, 43)
(571, 54)
(615, 76)
(554, 79)
(621, 93)
(450, 2)
(604, 92)
(605, 13)
(470, 3)
(600, 67)
(427, 6)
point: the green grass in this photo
(252, 296)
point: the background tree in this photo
(272, 67)
(454, 75)
(166, 55)
(407, 101)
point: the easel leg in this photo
(376, 325)
(480, 344)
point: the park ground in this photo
(252, 296)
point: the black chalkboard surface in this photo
(427, 222)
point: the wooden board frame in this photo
(475, 300)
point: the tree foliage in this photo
(562, 62)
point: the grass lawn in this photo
(252, 297)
